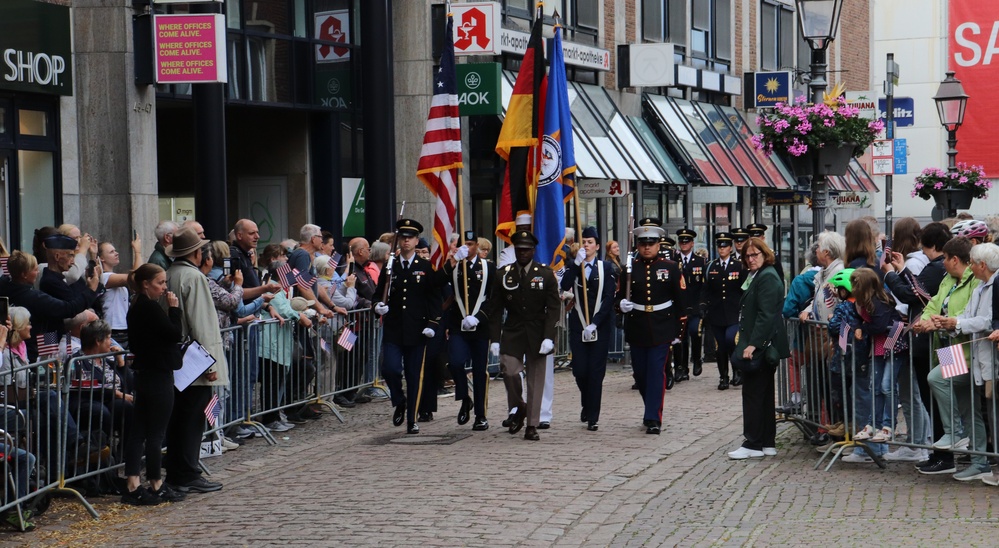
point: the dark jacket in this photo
(571, 281)
(760, 323)
(654, 283)
(47, 312)
(414, 301)
(532, 307)
(154, 335)
(694, 273)
(481, 270)
(722, 291)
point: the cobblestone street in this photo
(365, 483)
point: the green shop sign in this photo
(36, 52)
(479, 89)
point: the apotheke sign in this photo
(35, 48)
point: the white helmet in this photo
(970, 228)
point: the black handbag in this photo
(766, 355)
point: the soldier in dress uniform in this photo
(739, 237)
(694, 267)
(468, 328)
(410, 315)
(653, 301)
(591, 325)
(528, 292)
(667, 248)
(722, 291)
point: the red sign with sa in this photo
(974, 48)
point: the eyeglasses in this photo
(753, 255)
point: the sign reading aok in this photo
(33, 68)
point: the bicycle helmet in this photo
(970, 229)
(842, 279)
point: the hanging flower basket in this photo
(952, 190)
(816, 139)
(825, 161)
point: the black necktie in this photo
(405, 264)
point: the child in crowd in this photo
(844, 313)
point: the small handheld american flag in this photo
(3, 265)
(347, 339)
(952, 362)
(334, 261)
(844, 336)
(213, 410)
(48, 343)
(828, 296)
(305, 280)
(918, 288)
(894, 334)
(283, 272)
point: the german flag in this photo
(521, 132)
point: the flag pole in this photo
(582, 270)
(461, 235)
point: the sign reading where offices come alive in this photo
(189, 49)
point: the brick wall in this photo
(854, 49)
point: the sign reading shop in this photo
(36, 51)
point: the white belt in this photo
(652, 307)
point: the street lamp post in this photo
(819, 21)
(951, 101)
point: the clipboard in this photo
(197, 360)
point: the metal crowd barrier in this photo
(821, 389)
(342, 370)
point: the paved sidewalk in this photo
(365, 483)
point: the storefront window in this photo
(37, 196)
(32, 122)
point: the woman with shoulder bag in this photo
(760, 344)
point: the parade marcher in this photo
(468, 327)
(528, 291)
(653, 300)
(435, 361)
(410, 312)
(667, 248)
(507, 257)
(739, 237)
(722, 291)
(694, 268)
(591, 324)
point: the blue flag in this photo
(556, 181)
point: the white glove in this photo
(494, 349)
(589, 330)
(381, 309)
(470, 322)
(626, 306)
(676, 341)
(580, 256)
(461, 253)
(566, 295)
(547, 346)
(428, 333)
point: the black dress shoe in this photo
(670, 381)
(544, 425)
(400, 414)
(723, 384)
(508, 421)
(531, 434)
(425, 416)
(681, 375)
(413, 428)
(647, 423)
(466, 408)
(698, 368)
(737, 379)
(517, 419)
(480, 424)
(654, 429)
(592, 426)
(582, 416)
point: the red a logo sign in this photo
(472, 29)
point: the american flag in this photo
(828, 296)
(305, 280)
(282, 273)
(440, 157)
(347, 339)
(334, 261)
(952, 362)
(3, 265)
(213, 410)
(894, 334)
(844, 336)
(48, 343)
(917, 287)
(324, 345)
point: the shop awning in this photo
(856, 179)
(712, 142)
(609, 145)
